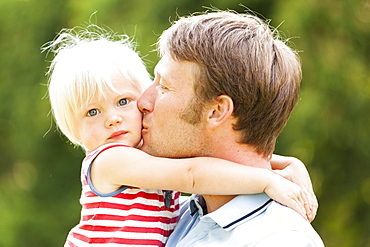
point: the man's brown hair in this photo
(239, 56)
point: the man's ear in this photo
(220, 111)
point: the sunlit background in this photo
(328, 131)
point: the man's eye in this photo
(122, 102)
(93, 112)
(161, 88)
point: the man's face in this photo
(171, 126)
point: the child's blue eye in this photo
(123, 102)
(92, 112)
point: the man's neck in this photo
(214, 202)
(243, 155)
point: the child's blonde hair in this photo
(85, 59)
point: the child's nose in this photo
(113, 120)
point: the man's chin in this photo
(143, 146)
(152, 151)
(140, 145)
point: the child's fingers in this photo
(299, 203)
(315, 206)
(312, 204)
(291, 195)
(314, 210)
(307, 204)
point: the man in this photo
(225, 87)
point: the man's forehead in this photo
(174, 69)
(162, 66)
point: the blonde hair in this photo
(80, 71)
(240, 56)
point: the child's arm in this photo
(204, 175)
(294, 170)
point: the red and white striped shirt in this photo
(127, 217)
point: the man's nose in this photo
(146, 101)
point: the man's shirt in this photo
(247, 220)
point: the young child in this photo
(95, 81)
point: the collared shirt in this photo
(247, 220)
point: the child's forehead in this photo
(118, 82)
(115, 87)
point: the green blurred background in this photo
(328, 131)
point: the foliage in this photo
(329, 130)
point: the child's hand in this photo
(289, 194)
(294, 170)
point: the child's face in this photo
(114, 119)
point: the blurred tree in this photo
(39, 177)
(332, 119)
(34, 207)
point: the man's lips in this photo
(117, 134)
(144, 130)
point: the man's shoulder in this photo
(289, 238)
(280, 223)
(277, 213)
(269, 224)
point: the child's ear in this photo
(220, 111)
